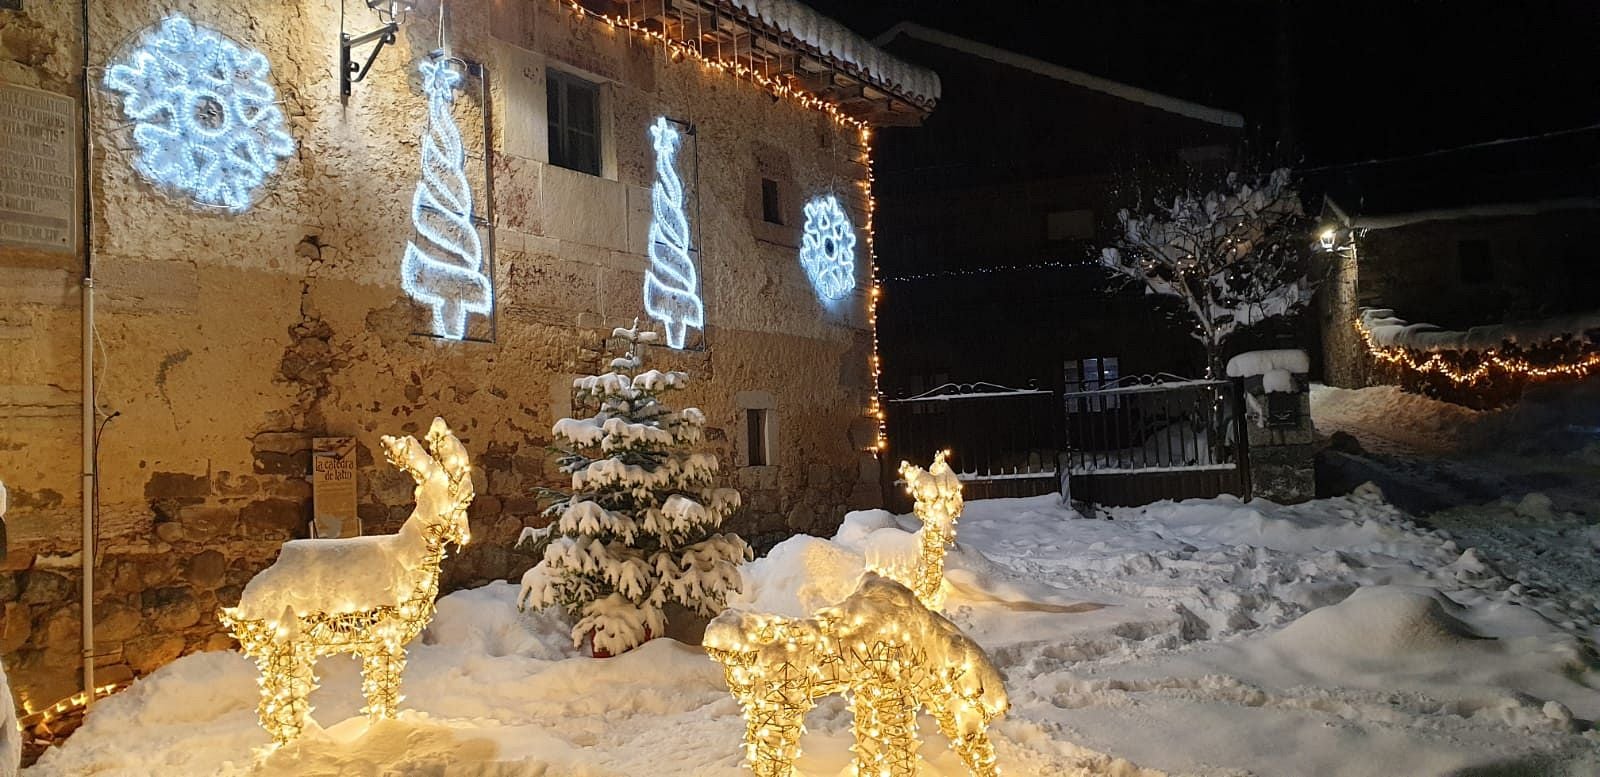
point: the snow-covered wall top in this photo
(1050, 70)
(1390, 331)
(834, 40)
(1291, 360)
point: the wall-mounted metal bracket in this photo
(349, 71)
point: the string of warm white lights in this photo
(287, 643)
(1488, 361)
(881, 648)
(784, 88)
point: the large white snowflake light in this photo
(206, 121)
(828, 248)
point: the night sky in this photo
(1367, 79)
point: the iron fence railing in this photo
(1155, 423)
(992, 432)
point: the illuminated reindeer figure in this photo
(916, 559)
(882, 648)
(367, 596)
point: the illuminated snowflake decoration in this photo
(828, 248)
(206, 121)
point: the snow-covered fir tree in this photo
(640, 527)
(1233, 256)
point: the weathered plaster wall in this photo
(228, 342)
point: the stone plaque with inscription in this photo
(38, 169)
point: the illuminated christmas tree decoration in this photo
(446, 271)
(828, 248)
(881, 648)
(671, 284)
(916, 560)
(367, 596)
(206, 120)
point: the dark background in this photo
(1319, 83)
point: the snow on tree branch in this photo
(1233, 256)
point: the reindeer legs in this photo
(974, 746)
(380, 679)
(286, 681)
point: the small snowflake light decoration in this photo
(828, 248)
(205, 117)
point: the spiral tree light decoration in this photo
(671, 285)
(446, 271)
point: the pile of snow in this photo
(1386, 413)
(1290, 360)
(1390, 331)
(1196, 637)
(834, 40)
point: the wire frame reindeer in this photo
(884, 650)
(367, 596)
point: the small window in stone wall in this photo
(573, 106)
(758, 438)
(771, 202)
(1476, 263)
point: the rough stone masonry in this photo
(226, 342)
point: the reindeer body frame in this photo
(367, 596)
(882, 647)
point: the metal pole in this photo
(86, 162)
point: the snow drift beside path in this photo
(1206, 637)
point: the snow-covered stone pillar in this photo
(1277, 403)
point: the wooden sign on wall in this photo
(333, 487)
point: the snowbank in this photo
(1291, 360)
(1194, 637)
(835, 40)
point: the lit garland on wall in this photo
(286, 646)
(1489, 361)
(828, 248)
(206, 120)
(448, 276)
(881, 648)
(783, 89)
(671, 283)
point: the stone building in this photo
(225, 341)
(1502, 232)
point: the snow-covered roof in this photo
(1392, 220)
(1076, 77)
(835, 41)
(1390, 331)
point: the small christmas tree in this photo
(639, 528)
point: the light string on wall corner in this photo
(783, 89)
(1489, 361)
(678, 49)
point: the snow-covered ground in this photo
(1207, 637)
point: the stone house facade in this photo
(224, 343)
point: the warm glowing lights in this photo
(671, 283)
(828, 248)
(937, 492)
(881, 648)
(287, 643)
(445, 272)
(1487, 362)
(206, 120)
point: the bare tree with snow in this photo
(1233, 256)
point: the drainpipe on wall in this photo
(89, 474)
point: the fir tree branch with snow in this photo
(639, 529)
(1233, 256)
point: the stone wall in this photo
(227, 342)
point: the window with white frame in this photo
(1091, 374)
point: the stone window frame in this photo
(605, 133)
(762, 402)
(770, 163)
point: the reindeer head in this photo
(444, 480)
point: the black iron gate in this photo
(1130, 442)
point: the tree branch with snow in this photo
(1233, 256)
